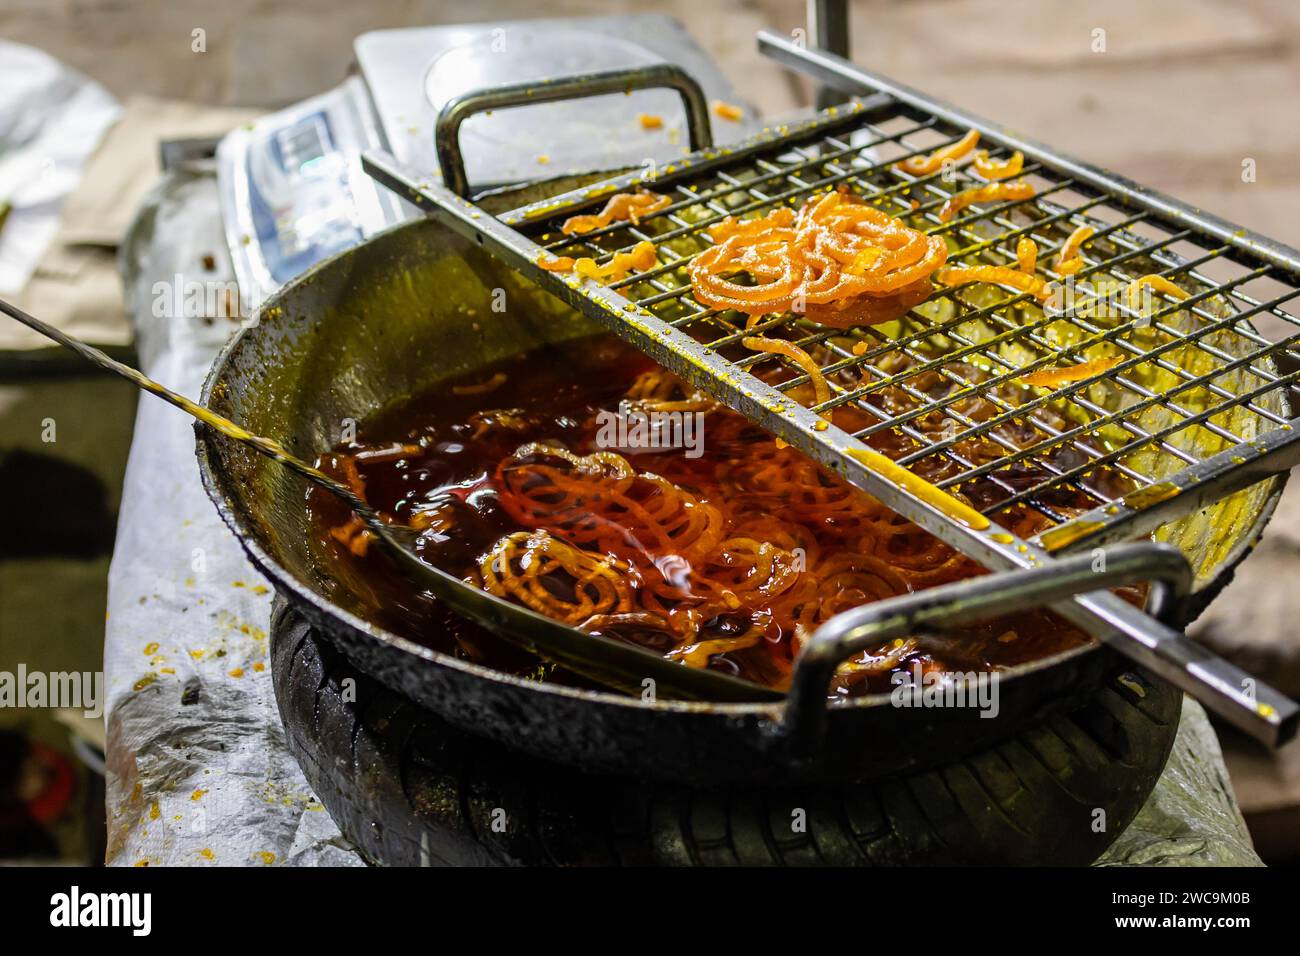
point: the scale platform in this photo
(291, 184)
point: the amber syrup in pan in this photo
(442, 448)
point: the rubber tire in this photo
(408, 789)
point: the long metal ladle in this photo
(606, 660)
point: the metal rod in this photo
(828, 28)
(1189, 490)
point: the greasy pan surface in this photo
(379, 323)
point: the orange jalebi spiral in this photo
(600, 503)
(870, 309)
(521, 564)
(805, 491)
(836, 248)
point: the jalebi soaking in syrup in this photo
(725, 550)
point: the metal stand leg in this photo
(828, 29)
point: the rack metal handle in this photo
(1184, 663)
(451, 161)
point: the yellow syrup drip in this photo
(1151, 495)
(1067, 534)
(936, 498)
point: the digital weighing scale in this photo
(291, 184)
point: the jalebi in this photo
(1027, 255)
(1070, 248)
(991, 192)
(998, 169)
(1052, 377)
(623, 207)
(997, 275)
(924, 165)
(828, 260)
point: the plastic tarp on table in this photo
(198, 769)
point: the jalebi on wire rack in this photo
(838, 261)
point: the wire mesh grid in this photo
(1193, 404)
(941, 391)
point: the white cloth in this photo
(51, 119)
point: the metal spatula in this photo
(606, 660)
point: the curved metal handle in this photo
(656, 76)
(867, 627)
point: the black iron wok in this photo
(385, 320)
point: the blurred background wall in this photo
(1184, 90)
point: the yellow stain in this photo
(917, 486)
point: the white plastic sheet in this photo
(198, 769)
(51, 120)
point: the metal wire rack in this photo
(1193, 378)
(1194, 403)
